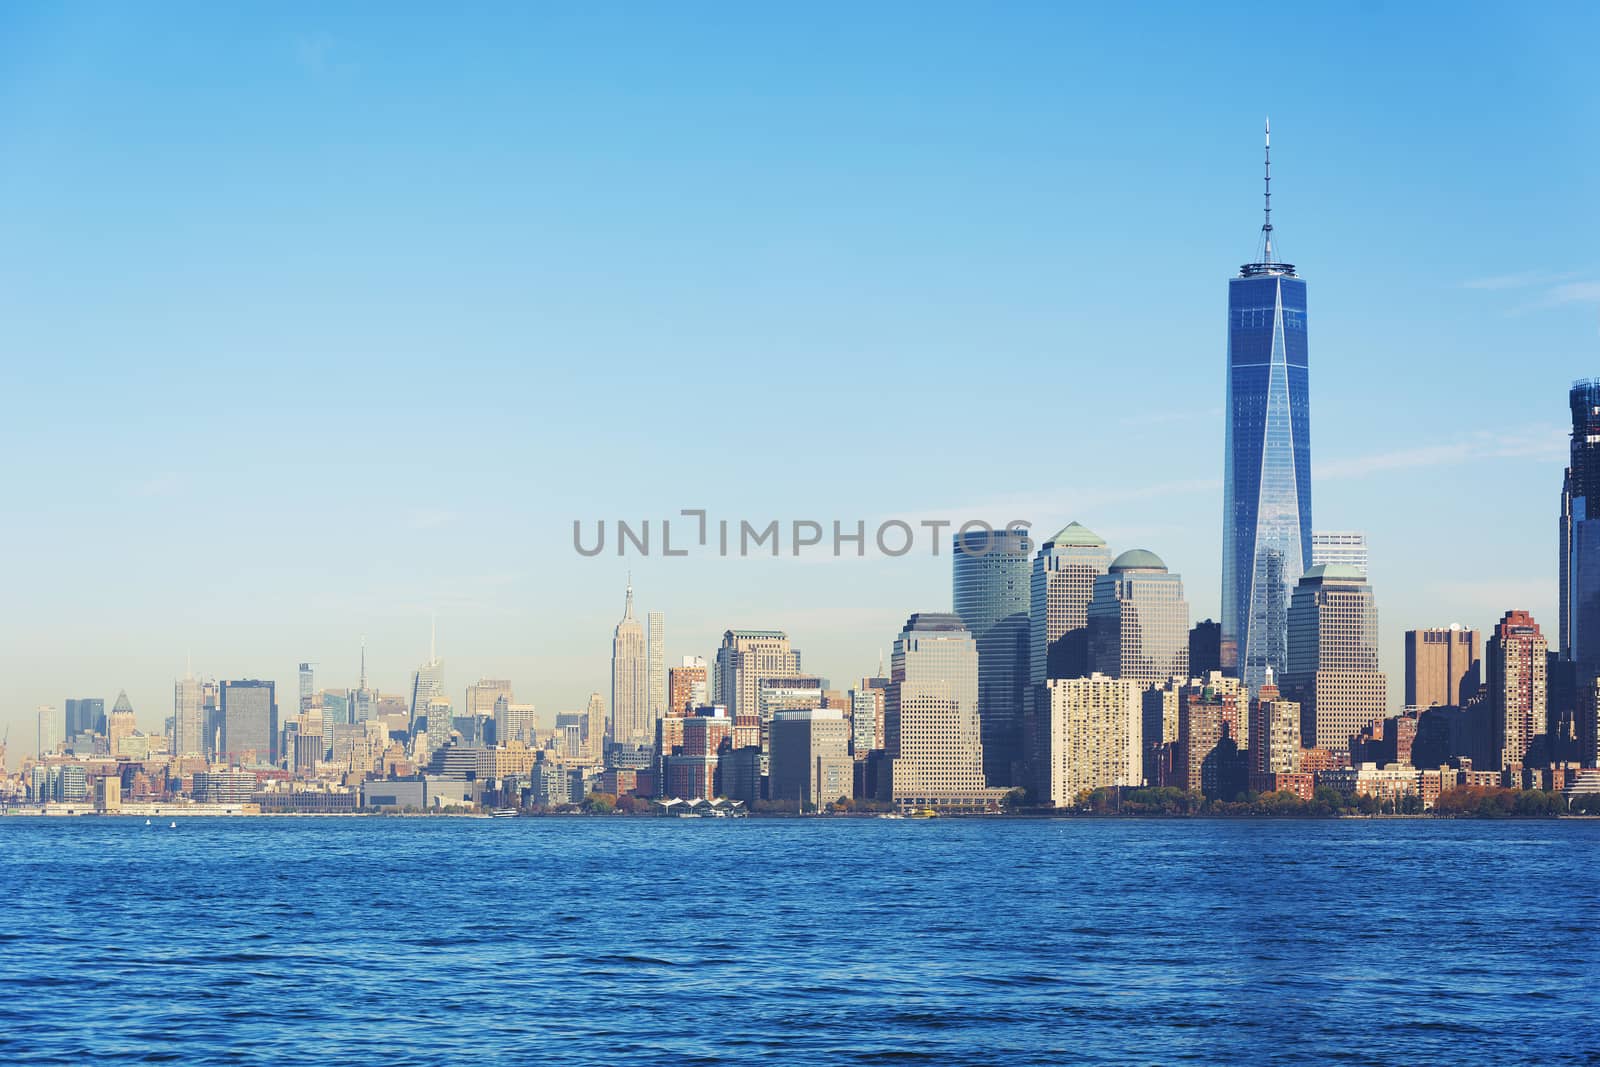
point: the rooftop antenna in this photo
(628, 612)
(433, 638)
(363, 663)
(1266, 227)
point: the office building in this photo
(1205, 647)
(594, 730)
(1208, 756)
(1517, 686)
(991, 590)
(1266, 510)
(249, 712)
(786, 694)
(1062, 585)
(45, 732)
(866, 711)
(688, 686)
(1094, 738)
(120, 724)
(188, 716)
(745, 659)
(1139, 621)
(1579, 628)
(427, 683)
(482, 695)
(810, 763)
(1333, 656)
(1443, 667)
(631, 724)
(85, 716)
(655, 667)
(514, 723)
(1345, 547)
(308, 687)
(1274, 732)
(932, 740)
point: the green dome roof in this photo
(1138, 559)
(1077, 535)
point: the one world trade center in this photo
(1266, 511)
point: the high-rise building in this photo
(811, 761)
(120, 725)
(1207, 756)
(249, 714)
(482, 695)
(1443, 667)
(631, 724)
(1139, 621)
(1517, 685)
(992, 588)
(1333, 656)
(1064, 573)
(594, 733)
(786, 694)
(1095, 738)
(746, 659)
(85, 716)
(1579, 629)
(1347, 547)
(1266, 510)
(427, 682)
(45, 735)
(866, 711)
(308, 687)
(1205, 647)
(513, 722)
(687, 686)
(1274, 733)
(188, 716)
(656, 677)
(932, 740)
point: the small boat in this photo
(891, 815)
(503, 813)
(174, 826)
(147, 822)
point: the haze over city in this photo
(336, 346)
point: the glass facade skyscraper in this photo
(1579, 624)
(992, 579)
(1266, 517)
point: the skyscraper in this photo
(308, 688)
(991, 581)
(1333, 656)
(1064, 572)
(656, 651)
(1348, 547)
(188, 717)
(687, 685)
(594, 728)
(120, 725)
(1442, 666)
(1579, 624)
(1096, 737)
(631, 724)
(250, 722)
(427, 682)
(1266, 511)
(1139, 621)
(85, 716)
(745, 659)
(45, 736)
(1517, 686)
(933, 743)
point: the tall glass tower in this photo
(1266, 511)
(991, 587)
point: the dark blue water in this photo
(371, 941)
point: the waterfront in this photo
(820, 941)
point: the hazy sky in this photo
(319, 319)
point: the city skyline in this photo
(362, 526)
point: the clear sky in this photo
(315, 319)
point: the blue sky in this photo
(319, 320)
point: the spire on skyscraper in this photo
(627, 612)
(1267, 263)
(1266, 227)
